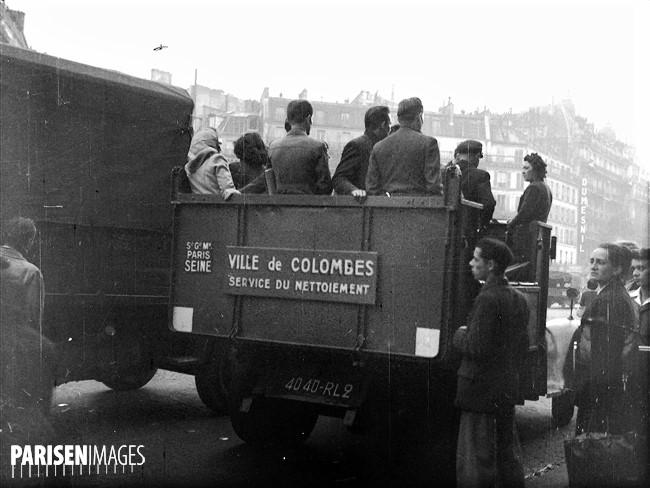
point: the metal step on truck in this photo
(325, 306)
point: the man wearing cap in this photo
(474, 182)
(350, 175)
(407, 162)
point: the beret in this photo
(469, 147)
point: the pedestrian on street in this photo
(26, 368)
(604, 359)
(493, 347)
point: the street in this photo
(184, 442)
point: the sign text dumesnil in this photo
(336, 276)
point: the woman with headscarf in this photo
(534, 204)
(207, 170)
(253, 158)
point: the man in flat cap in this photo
(407, 162)
(474, 182)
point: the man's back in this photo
(407, 162)
(351, 172)
(300, 164)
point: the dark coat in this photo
(406, 162)
(493, 348)
(351, 172)
(300, 164)
(243, 173)
(608, 320)
(475, 185)
(26, 355)
(605, 351)
(534, 204)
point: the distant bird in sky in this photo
(159, 48)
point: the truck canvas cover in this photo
(87, 146)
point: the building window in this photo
(520, 181)
(279, 113)
(519, 156)
(501, 202)
(345, 117)
(502, 179)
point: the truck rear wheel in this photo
(131, 366)
(562, 407)
(130, 380)
(271, 421)
(213, 385)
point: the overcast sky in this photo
(498, 55)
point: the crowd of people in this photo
(608, 374)
(384, 160)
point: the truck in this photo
(87, 153)
(322, 305)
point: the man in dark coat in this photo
(350, 175)
(493, 348)
(407, 162)
(26, 355)
(300, 163)
(474, 182)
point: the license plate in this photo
(331, 389)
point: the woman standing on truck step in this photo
(534, 204)
(207, 170)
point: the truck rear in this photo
(323, 305)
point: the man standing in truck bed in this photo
(300, 162)
(493, 348)
(350, 175)
(407, 162)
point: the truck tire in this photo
(132, 364)
(213, 385)
(274, 422)
(562, 408)
(130, 380)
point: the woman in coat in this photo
(534, 204)
(253, 158)
(207, 170)
(604, 355)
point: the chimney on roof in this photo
(303, 94)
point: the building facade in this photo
(12, 24)
(599, 193)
